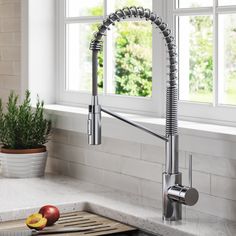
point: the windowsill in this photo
(75, 119)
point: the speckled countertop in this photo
(21, 197)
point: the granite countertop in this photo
(21, 197)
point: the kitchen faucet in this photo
(174, 194)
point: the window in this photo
(132, 72)
(205, 32)
(126, 75)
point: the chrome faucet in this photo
(174, 193)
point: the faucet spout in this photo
(172, 82)
(94, 122)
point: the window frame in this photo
(139, 105)
(155, 106)
(215, 113)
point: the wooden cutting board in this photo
(101, 225)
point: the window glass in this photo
(78, 57)
(76, 8)
(227, 59)
(195, 58)
(131, 53)
(132, 73)
(193, 3)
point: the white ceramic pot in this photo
(23, 165)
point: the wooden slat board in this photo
(102, 225)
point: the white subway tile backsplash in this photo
(79, 139)
(103, 160)
(202, 182)
(121, 147)
(7, 39)
(7, 68)
(223, 187)
(10, 24)
(153, 153)
(10, 1)
(122, 182)
(66, 152)
(10, 53)
(55, 165)
(17, 68)
(151, 189)
(10, 82)
(216, 206)
(60, 136)
(10, 42)
(142, 169)
(10, 10)
(208, 146)
(17, 38)
(214, 165)
(86, 173)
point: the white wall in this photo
(10, 47)
(39, 49)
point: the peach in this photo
(36, 221)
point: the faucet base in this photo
(172, 210)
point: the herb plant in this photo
(21, 126)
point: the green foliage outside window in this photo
(230, 63)
(133, 59)
(133, 56)
(201, 60)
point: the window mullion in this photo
(105, 53)
(216, 87)
(192, 11)
(226, 9)
(144, 105)
(61, 42)
(83, 19)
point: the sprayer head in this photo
(94, 122)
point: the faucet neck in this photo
(172, 83)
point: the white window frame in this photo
(151, 106)
(211, 113)
(195, 111)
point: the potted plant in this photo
(23, 133)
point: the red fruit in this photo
(51, 213)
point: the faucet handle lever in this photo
(190, 170)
